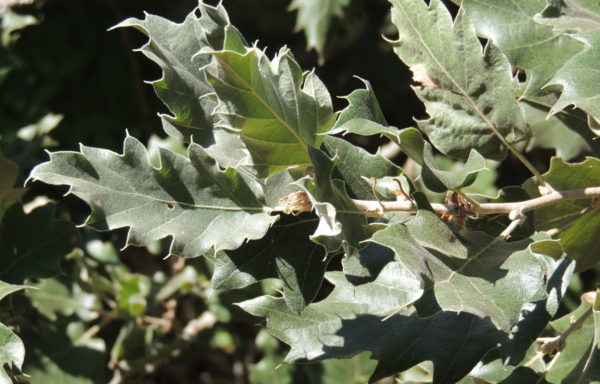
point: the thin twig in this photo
(556, 344)
(373, 208)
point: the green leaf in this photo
(342, 224)
(357, 166)
(579, 78)
(285, 253)
(52, 297)
(468, 93)
(527, 44)
(554, 133)
(412, 143)
(374, 317)
(314, 17)
(183, 86)
(578, 225)
(188, 199)
(12, 352)
(467, 272)
(577, 347)
(275, 108)
(32, 245)
(572, 15)
(6, 289)
(591, 370)
(535, 316)
(8, 177)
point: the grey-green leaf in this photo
(577, 223)
(528, 45)
(12, 352)
(579, 78)
(467, 272)
(374, 317)
(191, 200)
(183, 86)
(468, 93)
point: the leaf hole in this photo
(170, 206)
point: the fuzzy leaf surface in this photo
(529, 45)
(183, 86)
(351, 320)
(188, 199)
(275, 108)
(467, 272)
(12, 352)
(32, 245)
(579, 78)
(314, 18)
(468, 93)
(572, 15)
(577, 224)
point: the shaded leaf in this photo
(468, 93)
(527, 44)
(341, 224)
(578, 225)
(183, 86)
(8, 177)
(351, 320)
(469, 271)
(314, 18)
(591, 369)
(276, 109)
(285, 253)
(553, 133)
(188, 199)
(32, 245)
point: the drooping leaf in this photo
(8, 177)
(276, 109)
(341, 224)
(314, 18)
(577, 223)
(554, 133)
(535, 316)
(183, 86)
(188, 199)
(357, 166)
(467, 272)
(32, 245)
(285, 253)
(468, 93)
(353, 319)
(12, 352)
(527, 44)
(411, 142)
(579, 78)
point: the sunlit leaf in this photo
(467, 90)
(188, 199)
